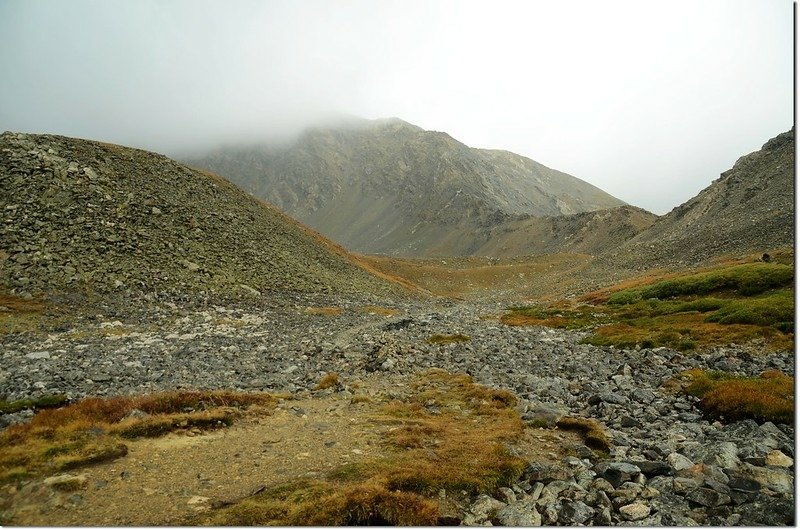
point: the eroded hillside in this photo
(749, 208)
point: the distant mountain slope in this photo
(82, 215)
(749, 208)
(387, 186)
(583, 233)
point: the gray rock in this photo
(679, 462)
(66, 482)
(519, 515)
(575, 512)
(485, 507)
(536, 491)
(603, 517)
(777, 458)
(506, 495)
(37, 355)
(545, 414)
(777, 479)
(707, 497)
(769, 512)
(653, 469)
(643, 395)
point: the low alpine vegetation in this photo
(735, 303)
(769, 397)
(94, 429)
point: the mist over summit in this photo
(388, 186)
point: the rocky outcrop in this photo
(750, 208)
(88, 216)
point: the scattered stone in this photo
(679, 462)
(577, 512)
(777, 458)
(66, 482)
(485, 507)
(634, 511)
(707, 497)
(519, 515)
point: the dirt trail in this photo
(162, 481)
(165, 481)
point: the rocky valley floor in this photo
(667, 464)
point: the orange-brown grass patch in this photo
(447, 434)
(555, 315)
(769, 397)
(324, 311)
(685, 331)
(93, 429)
(327, 381)
(20, 305)
(592, 432)
(320, 503)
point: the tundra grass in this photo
(730, 304)
(93, 430)
(450, 434)
(769, 397)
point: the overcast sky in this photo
(648, 100)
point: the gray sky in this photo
(648, 100)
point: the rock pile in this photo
(87, 216)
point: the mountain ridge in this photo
(370, 187)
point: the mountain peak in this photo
(388, 186)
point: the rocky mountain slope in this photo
(583, 233)
(87, 216)
(749, 208)
(387, 186)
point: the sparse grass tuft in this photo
(385, 311)
(448, 339)
(93, 429)
(593, 434)
(769, 397)
(318, 503)
(553, 316)
(327, 381)
(324, 311)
